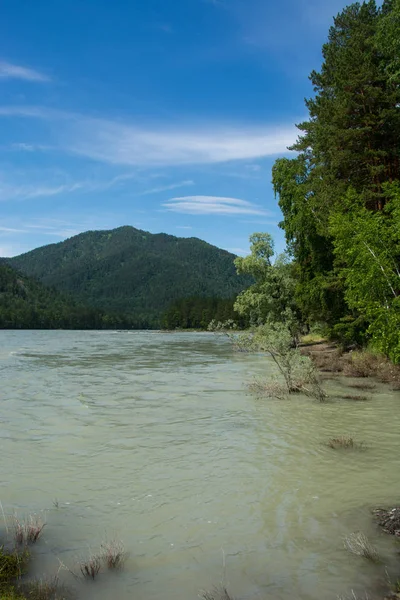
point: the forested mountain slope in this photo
(132, 271)
(28, 304)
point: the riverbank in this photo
(389, 521)
(331, 360)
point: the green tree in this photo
(388, 40)
(367, 249)
(350, 141)
(271, 297)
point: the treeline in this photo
(27, 304)
(197, 313)
(340, 195)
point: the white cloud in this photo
(184, 227)
(213, 205)
(127, 144)
(130, 144)
(10, 71)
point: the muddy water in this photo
(154, 438)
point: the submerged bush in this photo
(113, 554)
(46, 588)
(358, 543)
(297, 371)
(356, 398)
(91, 567)
(217, 593)
(29, 531)
(362, 386)
(345, 442)
(274, 389)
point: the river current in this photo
(154, 439)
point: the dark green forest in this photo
(133, 272)
(197, 313)
(27, 304)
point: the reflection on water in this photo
(153, 438)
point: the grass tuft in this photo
(113, 554)
(217, 593)
(91, 567)
(10, 593)
(29, 531)
(344, 442)
(47, 588)
(358, 543)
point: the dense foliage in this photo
(271, 297)
(197, 313)
(27, 304)
(130, 271)
(340, 196)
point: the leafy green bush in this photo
(385, 331)
(12, 564)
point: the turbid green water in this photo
(154, 438)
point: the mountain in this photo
(134, 272)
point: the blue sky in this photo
(162, 114)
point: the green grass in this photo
(10, 593)
(313, 338)
(12, 564)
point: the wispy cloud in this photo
(11, 71)
(253, 168)
(26, 147)
(24, 185)
(166, 188)
(240, 251)
(14, 191)
(262, 221)
(213, 205)
(130, 144)
(11, 230)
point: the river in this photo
(154, 439)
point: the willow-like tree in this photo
(271, 297)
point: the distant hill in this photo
(130, 271)
(28, 304)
